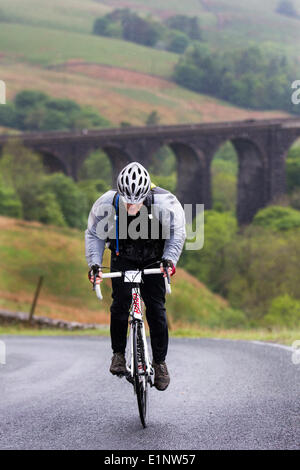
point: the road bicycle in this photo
(139, 369)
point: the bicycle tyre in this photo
(141, 392)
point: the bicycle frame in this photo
(136, 317)
(139, 368)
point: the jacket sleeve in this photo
(172, 217)
(94, 237)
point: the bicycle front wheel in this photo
(140, 374)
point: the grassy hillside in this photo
(226, 23)
(124, 81)
(28, 250)
(122, 95)
(69, 15)
(229, 23)
(48, 46)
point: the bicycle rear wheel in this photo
(140, 374)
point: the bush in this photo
(152, 119)
(97, 166)
(54, 199)
(103, 27)
(295, 199)
(72, 201)
(177, 42)
(34, 110)
(93, 189)
(174, 35)
(293, 169)
(260, 265)
(131, 27)
(277, 218)
(189, 26)
(228, 318)
(284, 312)
(166, 182)
(10, 204)
(208, 263)
(224, 185)
(8, 116)
(46, 208)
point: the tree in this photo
(293, 169)
(105, 27)
(177, 42)
(10, 204)
(185, 24)
(208, 263)
(153, 119)
(3, 17)
(22, 170)
(284, 311)
(20, 167)
(100, 26)
(34, 110)
(72, 201)
(244, 77)
(261, 264)
(286, 7)
(53, 199)
(46, 208)
(277, 218)
(8, 115)
(97, 166)
(138, 30)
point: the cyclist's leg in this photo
(121, 294)
(153, 293)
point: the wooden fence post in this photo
(37, 292)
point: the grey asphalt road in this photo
(57, 393)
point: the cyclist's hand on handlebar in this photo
(95, 271)
(168, 264)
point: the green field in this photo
(69, 15)
(49, 47)
(226, 23)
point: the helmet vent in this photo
(134, 183)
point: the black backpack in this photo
(140, 249)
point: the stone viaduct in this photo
(261, 146)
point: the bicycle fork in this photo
(137, 323)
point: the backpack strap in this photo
(116, 206)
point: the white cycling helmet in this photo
(134, 183)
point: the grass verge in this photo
(279, 336)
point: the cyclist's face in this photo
(133, 209)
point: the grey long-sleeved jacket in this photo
(163, 203)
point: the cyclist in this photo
(136, 195)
